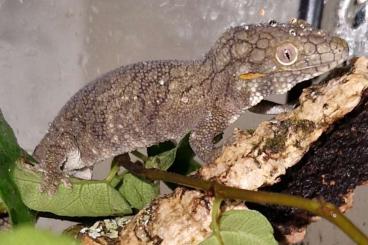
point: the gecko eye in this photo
(286, 54)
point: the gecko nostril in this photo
(272, 23)
(292, 32)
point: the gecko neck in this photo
(200, 76)
(223, 72)
(217, 77)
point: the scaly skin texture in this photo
(150, 102)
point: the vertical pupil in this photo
(287, 54)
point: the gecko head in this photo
(271, 58)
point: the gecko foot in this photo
(52, 180)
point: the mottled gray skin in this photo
(142, 104)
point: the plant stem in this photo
(216, 213)
(113, 171)
(318, 207)
(139, 155)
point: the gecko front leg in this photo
(202, 136)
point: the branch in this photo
(317, 207)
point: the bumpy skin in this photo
(149, 102)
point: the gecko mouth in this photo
(313, 66)
(254, 75)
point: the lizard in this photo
(145, 103)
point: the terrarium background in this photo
(51, 48)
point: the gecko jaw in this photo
(307, 67)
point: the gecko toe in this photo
(52, 180)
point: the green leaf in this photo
(10, 152)
(85, 198)
(27, 235)
(3, 208)
(161, 161)
(160, 148)
(9, 148)
(243, 227)
(184, 163)
(138, 192)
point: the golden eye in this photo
(286, 54)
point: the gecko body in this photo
(142, 104)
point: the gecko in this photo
(145, 103)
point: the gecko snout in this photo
(329, 51)
(340, 48)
